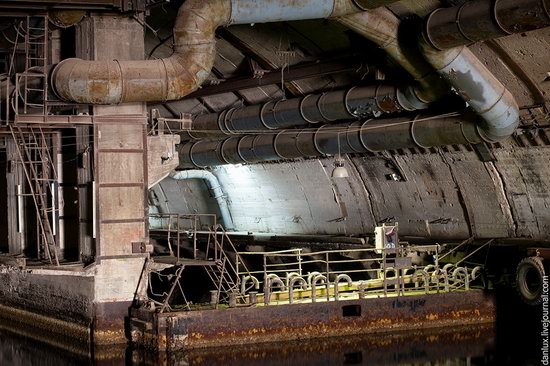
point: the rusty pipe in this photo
(480, 20)
(465, 279)
(254, 280)
(381, 27)
(311, 276)
(318, 278)
(66, 18)
(356, 137)
(268, 288)
(354, 103)
(337, 281)
(172, 78)
(301, 283)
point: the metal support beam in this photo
(309, 70)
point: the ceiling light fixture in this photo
(339, 170)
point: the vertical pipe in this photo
(54, 207)
(94, 210)
(20, 224)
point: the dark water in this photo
(514, 340)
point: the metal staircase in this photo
(33, 149)
(224, 274)
(216, 261)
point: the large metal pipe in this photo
(482, 19)
(215, 189)
(381, 27)
(443, 41)
(117, 81)
(357, 137)
(354, 103)
(483, 92)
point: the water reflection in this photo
(465, 346)
(431, 347)
(515, 340)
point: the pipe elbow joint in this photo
(483, 92)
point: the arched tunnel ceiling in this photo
(440, 193)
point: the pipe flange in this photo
(302, 109)
(497, 20)
(316, 144)
(275, 114)
(311, 134)
(253, 148)
(226, 121)
(459, 27)
(413, 137)
(262, 111)
(363, 128)
(191, 156)
(387, 103)
(221, 122)
(277, 151)
(354, 128)
(426, 34)
(240, 147)
(346, 101)
(224, 156)
(319, 101)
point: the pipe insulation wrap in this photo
(354, 103)
(215, 190)
(357, 137)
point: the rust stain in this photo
(198, 329)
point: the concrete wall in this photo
(443, 195)
(61, 295)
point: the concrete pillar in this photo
(120, 181)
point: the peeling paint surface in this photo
(211, 328)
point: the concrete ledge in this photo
(213, 328)
(62, 295)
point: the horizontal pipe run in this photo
(355, 103)
(480, 20)
(356, 137)
(172, 78)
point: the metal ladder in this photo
(34, 80)
(224, 275)
(34, 155)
